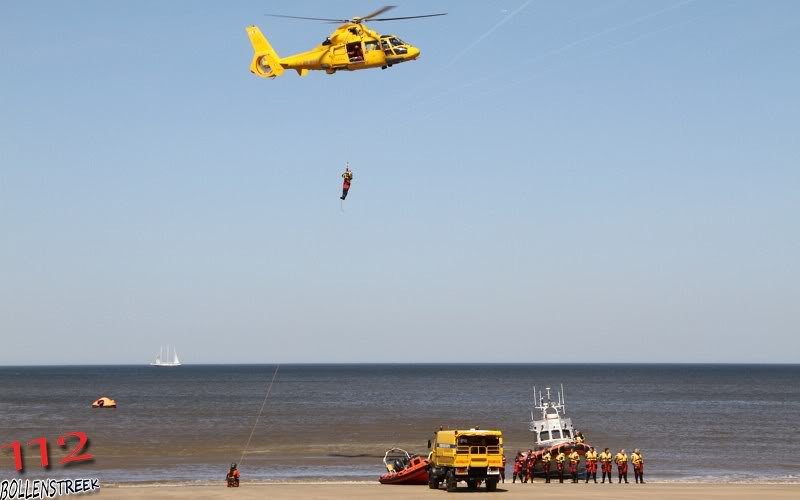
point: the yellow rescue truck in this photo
(473, 456)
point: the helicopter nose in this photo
(413, 52)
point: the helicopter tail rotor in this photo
(266, 63)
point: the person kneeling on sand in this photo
(233, 477)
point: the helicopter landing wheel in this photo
(384, 67)
(330, 71)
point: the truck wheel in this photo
(491, 484)
(450, 482)
(472, 484)
(433, 482)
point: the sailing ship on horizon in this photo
(165, 361)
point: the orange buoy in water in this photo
(104, 402)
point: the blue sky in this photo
(591, 181)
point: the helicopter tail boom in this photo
(266, 63)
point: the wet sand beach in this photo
(505, 491)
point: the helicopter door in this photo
(373, 55)
(339, 58)
(355, 52)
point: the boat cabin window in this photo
(567, 433)
(556, 434)
(551, 411)
(544, 436)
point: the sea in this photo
(186, 425)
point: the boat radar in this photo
(162, 360)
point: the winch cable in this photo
(263, 404)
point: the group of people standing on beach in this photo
(524, 464)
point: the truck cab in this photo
(472, 456)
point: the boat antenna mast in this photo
(538, 400)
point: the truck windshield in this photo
(478, 441)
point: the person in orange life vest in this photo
(605, 464)
(574, 460)
(347, 176)
(637, 459)
(622, 466)
(529, 464)
(517, 468)
(523, 473)
(233, 477)
(546, 459)
(591, 464)
(560, 458)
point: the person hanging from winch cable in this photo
(233, 477)
(347, 176)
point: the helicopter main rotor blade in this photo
(310, 18)
(378, 12)
(408, 17)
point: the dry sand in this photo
(505, 491)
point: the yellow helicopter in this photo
(351, 47)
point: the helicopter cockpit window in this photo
(398, 46)
(387, 49)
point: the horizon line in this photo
(429, 363)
